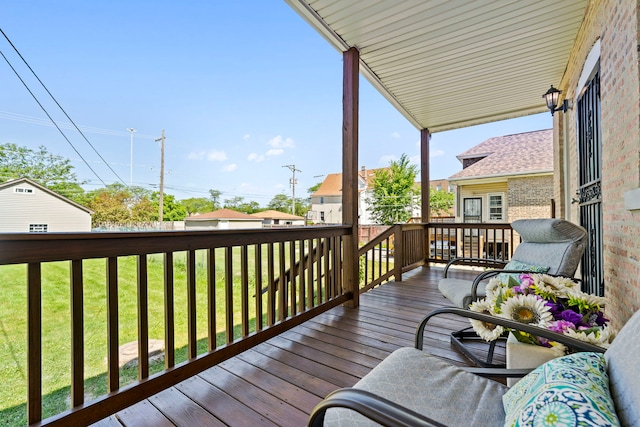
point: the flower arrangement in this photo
(554, 303)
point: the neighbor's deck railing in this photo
(402, 247)
(294, 274)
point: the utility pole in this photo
(131, 131)
(161, 198)
(293, 183)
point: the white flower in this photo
(601, 337)
(486, 331)
(527, 309)
(493, 288)
(558, 286)
(587, 299)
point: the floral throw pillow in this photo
(568, 391)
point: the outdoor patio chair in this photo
(552, 246)
(413, 388)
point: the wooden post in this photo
(398, 253)
(425, 186)
(350, 93)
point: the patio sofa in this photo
(412, 388)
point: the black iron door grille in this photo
(589, 185)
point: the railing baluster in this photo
(310, 299)
(258, 287)
(244, 291)
(211, 298)
(282, 285)
(318, 261)
(169, 312)
(327, 270)
(271, 290)
(192, 339)
(34, 342)
(293, 278)
(143, 318)
(112, 325)
(302, 279)
(77, 334)
(228, 293)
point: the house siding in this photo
(480, 191)
(615, 24)
(19, 210)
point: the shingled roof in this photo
(272, 214)
(222, 214)
(332, 184)
(518, 154)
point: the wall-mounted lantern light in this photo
(551, 98)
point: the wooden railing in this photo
(266, 281)
(403, 247)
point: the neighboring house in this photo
(503, 179)
(437, 185)
(222, 219)
(273, 218)
(506, 178)
(26, 206)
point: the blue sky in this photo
(241, 88)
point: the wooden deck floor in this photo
(280, 381)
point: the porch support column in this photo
(425, 187)
(350, 92)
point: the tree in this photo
(393, 191)
(214, 196)
(440, 201)
(53, 172)
(197, 205)
(171, 209)
(280, 203)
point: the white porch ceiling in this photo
(446, 64)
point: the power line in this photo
(57, 103)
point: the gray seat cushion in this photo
(458, 291)
(430, 386)
(623, 365)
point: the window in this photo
(22, 190)
(321, 200)
(496, 206)
(38, 228)
(322, 216)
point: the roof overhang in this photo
(447, 64)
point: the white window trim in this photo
(503, 215)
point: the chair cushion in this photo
(432, 387)
(458, 291)
(623, 365)
(570, 391)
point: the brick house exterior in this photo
(608, 40)
(506, 178)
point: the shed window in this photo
(38, 228)
(22, 190)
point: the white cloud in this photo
(216, 156)
(274, 152)
(255, 157)
(436, 153)
(385, 160)
(395, 135)
(230, 167)
(196, 155)
(246, 136)
(278, 142)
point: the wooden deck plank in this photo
(278, 382)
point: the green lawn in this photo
(56, 324)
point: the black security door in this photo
(590, 190)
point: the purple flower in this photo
(571, 316)
(526, 280)
(600, 319)
(560, 326)
(554, 308)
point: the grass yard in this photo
(56, 324)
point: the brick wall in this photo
(529, 197)
(615, 24)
